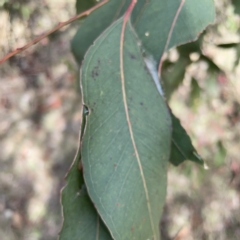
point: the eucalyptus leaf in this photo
(182, 148)
(236, 4)
(83, 5)
(152, 20)
(187, 49)
(81, 220)
(126, 138)
(126, 145)
(95, 24)
(173, 75)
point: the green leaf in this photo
(83, 5)
(195, 93)
(81, 220)
(220, 155)
(227, 45)
(173, 75)
(153, 23)
(182, 148)
(95, 24)
(186, 49)
(126, 146)
(236, 4)
(152, 20)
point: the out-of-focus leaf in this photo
(220, 156)
(182, 148)
(83, 5)
(81, 220)
(212, 87)
(228, 45)
(153, 21)
(173, 75)
(186, 49)
(126, 146)
(212, 67)
(236, 4)
(194, 93)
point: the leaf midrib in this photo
(130, 126)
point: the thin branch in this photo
(169, 36)
(60, 25)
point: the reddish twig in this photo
(60, 25)
(169, 36)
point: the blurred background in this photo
(40, 117)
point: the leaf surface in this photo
(182, 148)
(176, 21)
(126, 146)
(173, 75)
(83, 5)
(153, 21)
(81, 220)
(95, 24)
(236, 5)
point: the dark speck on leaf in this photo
(141, 103)
(132, 56)
(130, 98)
(95, 71)
(94, 74)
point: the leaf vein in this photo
(130, 125)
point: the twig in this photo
(60, 25)
(169, 36)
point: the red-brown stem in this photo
(169, 36)
(128, 12)
(60, 25)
